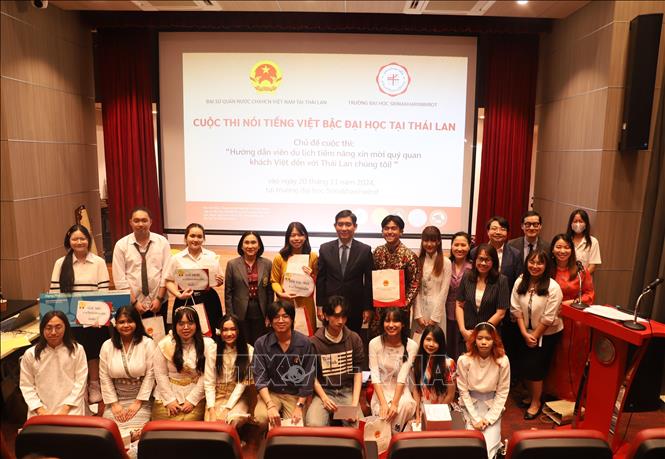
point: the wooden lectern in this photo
(610, 375)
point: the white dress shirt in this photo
(207, 259)
(545, 309)
(139, 364)
(588, 254)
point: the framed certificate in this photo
(194, 278)
(388, 288)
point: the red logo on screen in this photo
(265, 76)
(393, 79)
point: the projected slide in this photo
(271, 137)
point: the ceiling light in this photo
(522, 2)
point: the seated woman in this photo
(536, 305)
(182, 358)
(434, 371)
(54, 371)
(391, 357)
(575, 334)
(483, 294)
(126, 372)
(195, 256)
(483, 381)
(227, 399)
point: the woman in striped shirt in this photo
(82, 271)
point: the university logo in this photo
(265, 76)
(393, 79)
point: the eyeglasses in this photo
(282, 317)
(483, 260)
(531, 225)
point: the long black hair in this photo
(67, 340)
(587, 229)
(242, 363)
(287, 250)
(543, 282)
(133, 315)
(438, 361)
(396, 313)
(190, 314)
(67, 269)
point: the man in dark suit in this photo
(532, 223)
(345, 268)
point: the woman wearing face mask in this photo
(436, 271)
(587, 249)
(536, 305)
(195, 256)
(226, 397)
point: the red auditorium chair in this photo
(558, 444)
(72, 437)
(185, 439)
(648, 444)
(313, 442)
(467, 444)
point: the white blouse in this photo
(484, 376)
(588, 254)
(386, 365)
(207, 259)
(431, 299)
(90, 274)
(227, 376)
(139, 360)
(544, 309)
(187, 385)
(58, 378)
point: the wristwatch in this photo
(300, 404)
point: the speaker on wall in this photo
(642, 61)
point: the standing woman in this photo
(226, 397)
(436, 272)
(82, 271)
(483, 381)
(53, 372)
(536, 305)
(391, 356)
(196, 257)
(181, 360)
(575, 335)
(434, 371)
(296, 242)
(248, 290)
(483, 295)
(587, 249)
(460, 248)
(126, 373)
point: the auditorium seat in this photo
(182, 439)
(70, 437)
(558, 444)
(313, 442)
(648, 444)
(466, 444)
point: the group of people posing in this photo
(448, 338)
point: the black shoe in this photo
(531, 416)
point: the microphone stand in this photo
(634, 324)
(578, 302)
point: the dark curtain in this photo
(510, 82)
(649, 260)
(125, 63)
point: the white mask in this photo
(578, 227)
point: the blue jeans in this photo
(318, 416)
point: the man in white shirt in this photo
(139, 260)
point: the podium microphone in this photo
(633, 324)
(578, 302)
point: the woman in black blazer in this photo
(247, 287)
(483, 294)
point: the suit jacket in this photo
(356, 283)
(236, 286)
(518, 243)
(496, 296)
(512, 263)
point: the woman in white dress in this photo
(126, 372)
(227, 397)
(483, 381)
(391, 357)
(181, 360)
(54, 371)
(430, 307)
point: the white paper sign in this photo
(437, 412)
(196, 279)
(93, 313)
(296, 263)
(154, 327)
(299, 284)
